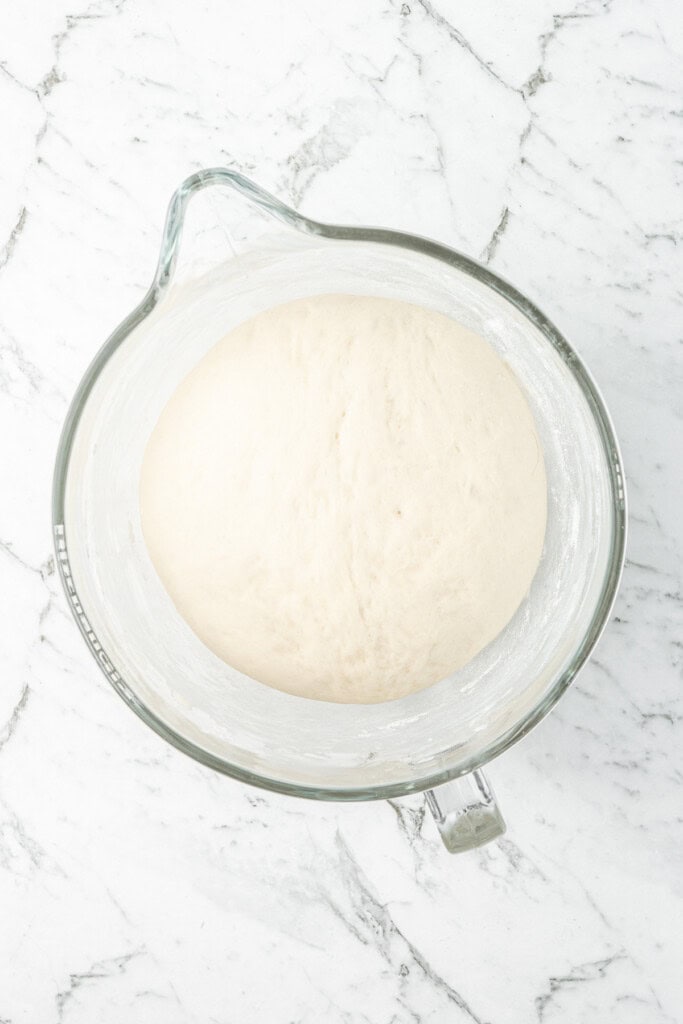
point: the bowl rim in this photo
(163, 276)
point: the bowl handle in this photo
(466, 812)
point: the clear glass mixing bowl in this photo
(163, 671)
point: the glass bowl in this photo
(244, 252)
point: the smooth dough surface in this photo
(346, 498)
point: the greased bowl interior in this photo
(236, 724)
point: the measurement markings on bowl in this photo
(70, 587)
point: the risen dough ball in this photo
(346, 498)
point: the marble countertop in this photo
(544, 138)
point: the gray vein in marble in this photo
(8, 74)
(45, 640)
(442, 23)
(489, 250)
(44, 570)
(374, 81)
(541, 75)
(410, 820)
(45, 611)
(441, 163)
(14, 834)
(565, 869)
(631, 564)
(14, 362)
(11, 243)
(384, 929)
(520, 860)
(92, 13)
(6, 546)
(326, 148)
(96, 972)
(42, 91)
(591, 971)
(13, 720)
(658, 711)
(590, 900)
(415, 54)
(116, 903)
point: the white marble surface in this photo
(544, 136)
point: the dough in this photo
(346, 498)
